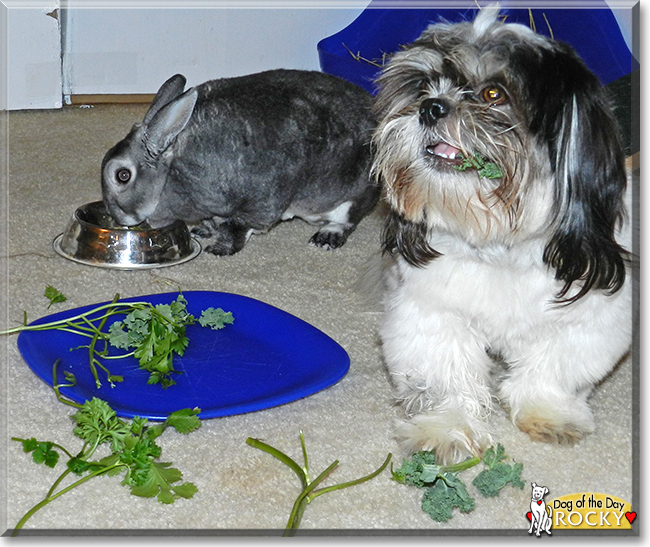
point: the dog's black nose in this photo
(431, 110)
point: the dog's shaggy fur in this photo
(525, 267)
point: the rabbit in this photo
(235, 156)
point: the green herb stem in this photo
(256, 443)
(462, 466)
(91, 349)
(70, 320)
(354, 482)
(57, 482)
(304, 456)
(56, 386)
(121, 356)
(52, 497)
(309, 491)
(303, 500)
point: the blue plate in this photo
(266, 358)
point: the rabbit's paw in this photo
(328, 238)
(230, 238)
(203, 230)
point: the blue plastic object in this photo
(378, 31)
(266, 358)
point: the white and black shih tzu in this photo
(505, 177)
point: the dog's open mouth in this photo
(445, 153)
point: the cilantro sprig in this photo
(132, 450)
(54, 296)
(484, 167)
(444, 490)
(151, 334)
(310, 489)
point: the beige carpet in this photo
(53, 167)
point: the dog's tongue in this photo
(444, 150)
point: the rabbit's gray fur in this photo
(240, 154)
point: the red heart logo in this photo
(630, 516)
(529, 515)
(539, 502)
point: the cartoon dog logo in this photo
(540, 513)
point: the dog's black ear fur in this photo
(409, 239)
(588, 163)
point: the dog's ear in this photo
(409, 239)
(589, 170)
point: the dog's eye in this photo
(494, 95)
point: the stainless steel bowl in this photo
(92, 237)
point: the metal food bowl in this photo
(92, 237)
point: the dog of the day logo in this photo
(540, 513)
(580, 511)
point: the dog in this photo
(505, 177)
(540, 514)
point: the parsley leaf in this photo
(54, 296)
(157, 480)
(97, 423)
(484, 167)
(184, 421)
(216, 318)
(41, 451)
(29, 445)
(151, 334)
(156, 334)
(133, 450)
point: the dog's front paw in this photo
(448, 433)
(554, 426)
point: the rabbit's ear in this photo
(171, 89)
(169, 122)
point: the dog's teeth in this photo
(443, 150)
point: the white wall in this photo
(133, 46)
(51, 48)
(32, 56)
(134, 50)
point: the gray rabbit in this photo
(237, 155)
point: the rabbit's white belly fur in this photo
(340, 215)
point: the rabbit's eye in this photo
(123, 175)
